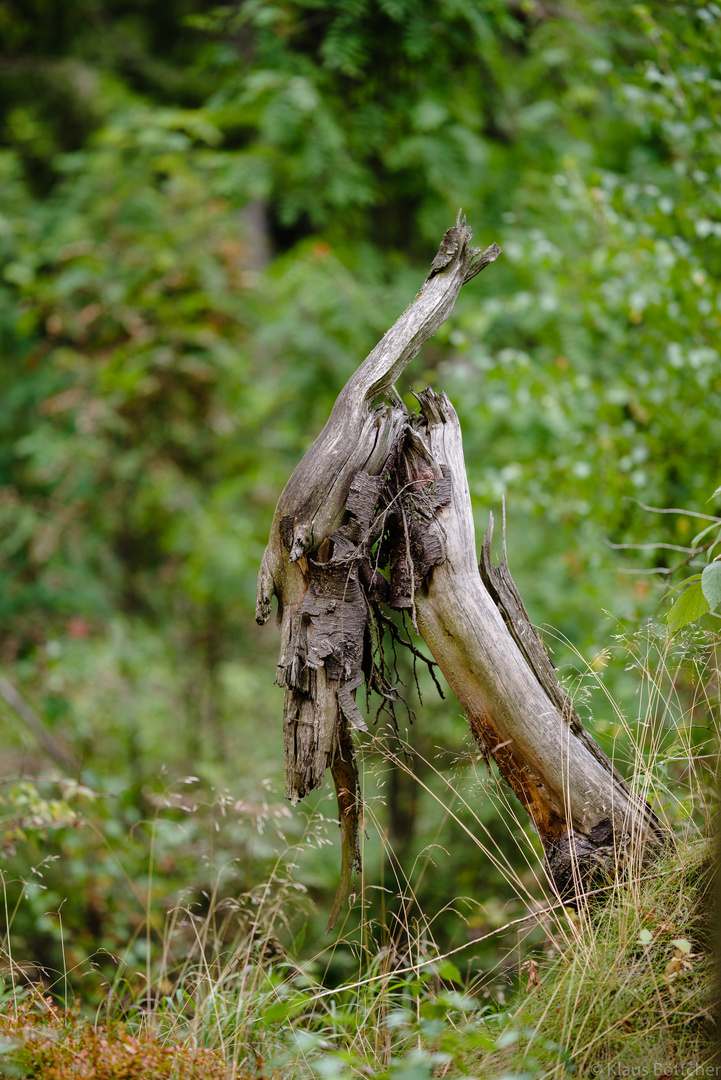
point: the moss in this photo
(42, 1042)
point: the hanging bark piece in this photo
(380, 487)
(416, 490)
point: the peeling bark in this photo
(381, 488)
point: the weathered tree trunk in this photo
(384, 488)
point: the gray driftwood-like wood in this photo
(382, 489)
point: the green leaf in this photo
(681, 585)
(645, 937)
(448, 970)
(704, 532)
(711, 584)
(683, 944)
(690, 606)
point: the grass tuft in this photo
(632, 995)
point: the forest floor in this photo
(623, 988)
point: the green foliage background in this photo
(207, 219)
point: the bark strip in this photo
(505, 595)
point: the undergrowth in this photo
(621, 987)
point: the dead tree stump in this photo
(382, 489)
